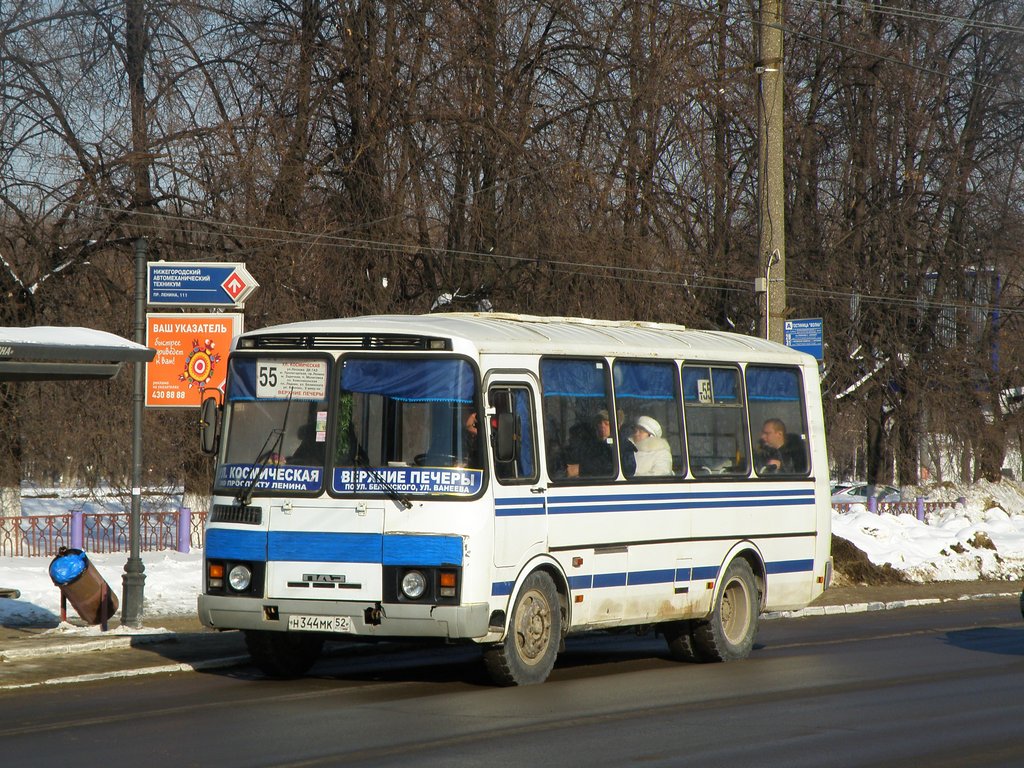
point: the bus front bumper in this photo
(395, 619)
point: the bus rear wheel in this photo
(283, 654)
(679, 636)
(728, 633)
(528, 652)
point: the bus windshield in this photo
(407, 425)
(276, 427)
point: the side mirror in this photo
(505, 436)
(209, 416)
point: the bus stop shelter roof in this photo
(51, 353)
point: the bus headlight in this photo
(240, 578)
(414, 584)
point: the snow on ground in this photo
(982, 538)
(172, 584)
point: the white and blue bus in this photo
(507, 480)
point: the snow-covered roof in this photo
(54, 352)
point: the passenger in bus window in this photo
(776, 451)
(591, 451)
(309, 452)
(653, 453)
(470, 441)
(472, 429)
(768, 456)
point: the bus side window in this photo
(580, 425)
(716, 425)
(777, 416)
(517, 402)
(647, 399)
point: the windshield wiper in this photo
(393, 493)
(244, 496)
(267, 452)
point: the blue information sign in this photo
(805, 336)
(199, 284)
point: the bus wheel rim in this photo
(735, 611)
(533, 627)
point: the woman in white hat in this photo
(653, 453)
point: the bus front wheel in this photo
(283, 654)
(728, 633)
(528, 652)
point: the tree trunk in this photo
(875, 438)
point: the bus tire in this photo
(283, 654)
(679, 637)
(728, 633)
(527, 654)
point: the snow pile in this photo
(982, 538)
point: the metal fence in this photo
(44, 535)
(919, 508)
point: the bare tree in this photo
(556, 157)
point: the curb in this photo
(85, 646)
(227, 661)
(832, 610)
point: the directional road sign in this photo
(805, 336)
(199, 284)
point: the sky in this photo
(952, 544)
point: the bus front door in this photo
(520, 510)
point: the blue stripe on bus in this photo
(519, 511)
(229, 544)
(580, 582)
(704, 573)
(555, 508)
(650, 502)
(502, 588)
(422, 550)
(789, 566)
(662, 576)
(296, 546)
(609, 580)
(630, 502)
(667, 496)
(518, 507)
(659, 576)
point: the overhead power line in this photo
(691, 281)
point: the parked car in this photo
(857, 493)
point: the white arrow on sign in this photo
(239, 284)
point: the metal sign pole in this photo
(134, 577)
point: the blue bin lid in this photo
(64, 569)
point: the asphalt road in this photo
(935, 685)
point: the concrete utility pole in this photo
(771, 279)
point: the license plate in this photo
(320, 623)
